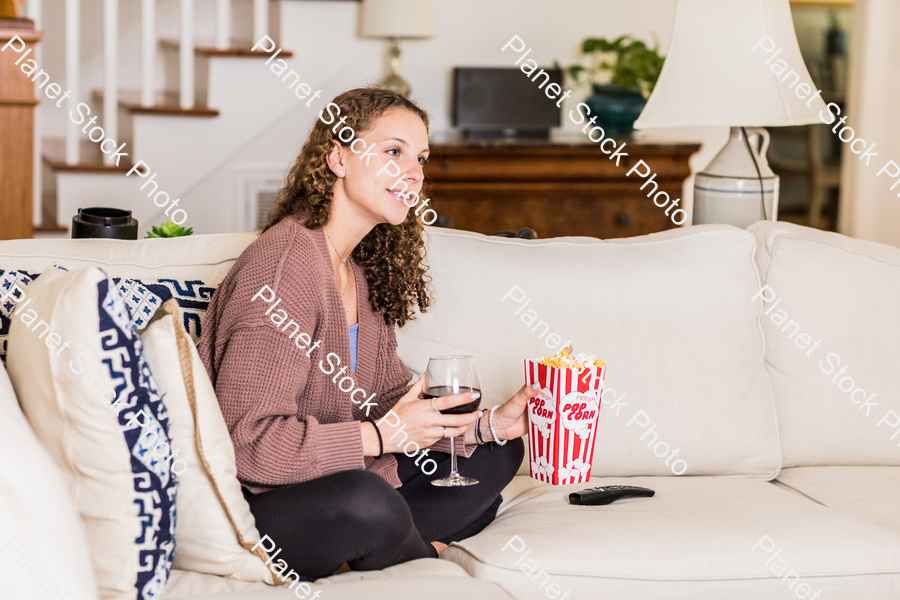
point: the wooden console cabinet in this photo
(17, 105)
(557, 189)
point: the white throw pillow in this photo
(215, 529)
(669, 313)
(837, 298)
(43, 553)
(75, 350)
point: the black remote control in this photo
(609, 493)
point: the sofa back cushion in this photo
(668, 313)
(43, 553)
(834, 369)
(146, 272)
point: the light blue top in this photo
(354, 336)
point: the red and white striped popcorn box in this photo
(563, 421)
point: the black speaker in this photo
(490, 103)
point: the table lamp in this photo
(396, 19)
(726, 66)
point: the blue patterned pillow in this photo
(143, 298)
(8, 279)
(95, 405)
(139, 415)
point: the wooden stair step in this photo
(50, 228)
(165, 103)
(53, 152)
(239, 51)
(84, 167)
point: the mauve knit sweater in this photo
(288, 421)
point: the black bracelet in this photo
(380, 440)
(479, 439)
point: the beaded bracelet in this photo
(380, 440)
(491, 425)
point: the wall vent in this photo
(256, 190)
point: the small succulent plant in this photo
(169, 229)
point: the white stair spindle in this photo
(223, 24)
(186, 54)
(110, 70)
(148, 52)
(73, 43)
(33, 12)
(260, 19)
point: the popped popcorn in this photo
(564, 360)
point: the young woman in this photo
(344, 256)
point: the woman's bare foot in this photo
(439, 547)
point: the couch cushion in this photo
(147, 272)
(443, 579)
(43, 553)
(843, 293)
(870, 493)
(75, 350)
(694, 539)
(668, 313)
(215, 532)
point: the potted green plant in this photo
(622, 74)
(169, 229)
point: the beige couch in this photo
(790, 489)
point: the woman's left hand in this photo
(511, 417)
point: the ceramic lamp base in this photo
(734, 200)
(737, 184)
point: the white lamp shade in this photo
(713, 76)
(396, 18)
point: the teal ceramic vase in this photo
(616, 108)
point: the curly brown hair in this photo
(392, 256)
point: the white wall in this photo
(869, 209)
(469, 33)
(328, 51)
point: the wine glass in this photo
(445, 376)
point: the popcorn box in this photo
(563, 421)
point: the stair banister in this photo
(148, 52)
(186, 54)
(260, 19)
(110, 70)
(223, 24)
(73, 42)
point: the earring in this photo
(341, 173)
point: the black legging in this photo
(358, 518)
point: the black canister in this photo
(104, 223)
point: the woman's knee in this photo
(371, 503)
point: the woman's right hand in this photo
(424, 424)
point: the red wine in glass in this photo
(446, 390)
(447, 376)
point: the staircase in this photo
(210, 124)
